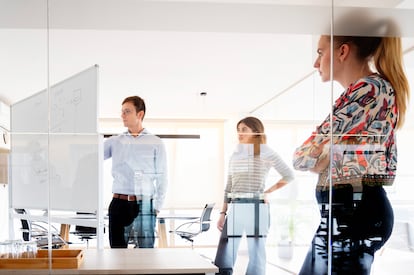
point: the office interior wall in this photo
(4, 212)
(195, 165)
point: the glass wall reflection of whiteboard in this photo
(65, 152)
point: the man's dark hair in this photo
(138, 103)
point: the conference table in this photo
(133, 261)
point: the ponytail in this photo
(388, 60)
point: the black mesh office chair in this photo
(193, 228)
(38, 231)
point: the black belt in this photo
(245, 200)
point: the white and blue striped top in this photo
(247, 173)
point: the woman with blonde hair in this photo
(354, 150)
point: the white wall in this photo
(4, 218)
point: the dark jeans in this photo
(121, 213)
(360, 226)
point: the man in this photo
(139, 170)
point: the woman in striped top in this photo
(245, 209)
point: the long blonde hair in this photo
(384, 48)
(387, 54)
(388, 60)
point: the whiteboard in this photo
(71, 104)
(31, 114)
(56, 163)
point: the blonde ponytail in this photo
(388, 60)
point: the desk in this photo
(162, 232)
(134, 261)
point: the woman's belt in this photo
(245, 200)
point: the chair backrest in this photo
(25, 225)
(85, 230)
(205, 217)
(39, 231)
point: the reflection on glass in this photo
(245, 198)
(353, 150)
(139, 171)
(300, 20)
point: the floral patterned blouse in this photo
(361, 141)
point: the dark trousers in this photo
(121, 213)
(142, 230)
(360, 226)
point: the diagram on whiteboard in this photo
(66, 107)
(74, 104)
(48, 147)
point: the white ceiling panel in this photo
(242, 54)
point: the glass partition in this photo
(24, 67)
(201, 67)
(352, 223)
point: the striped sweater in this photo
(247, 173)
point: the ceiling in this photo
(245, 56)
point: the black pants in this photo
(142, 229)
(360, 226)
(121, 213)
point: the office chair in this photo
(38, 231)
(85, 233)
(193, 228)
